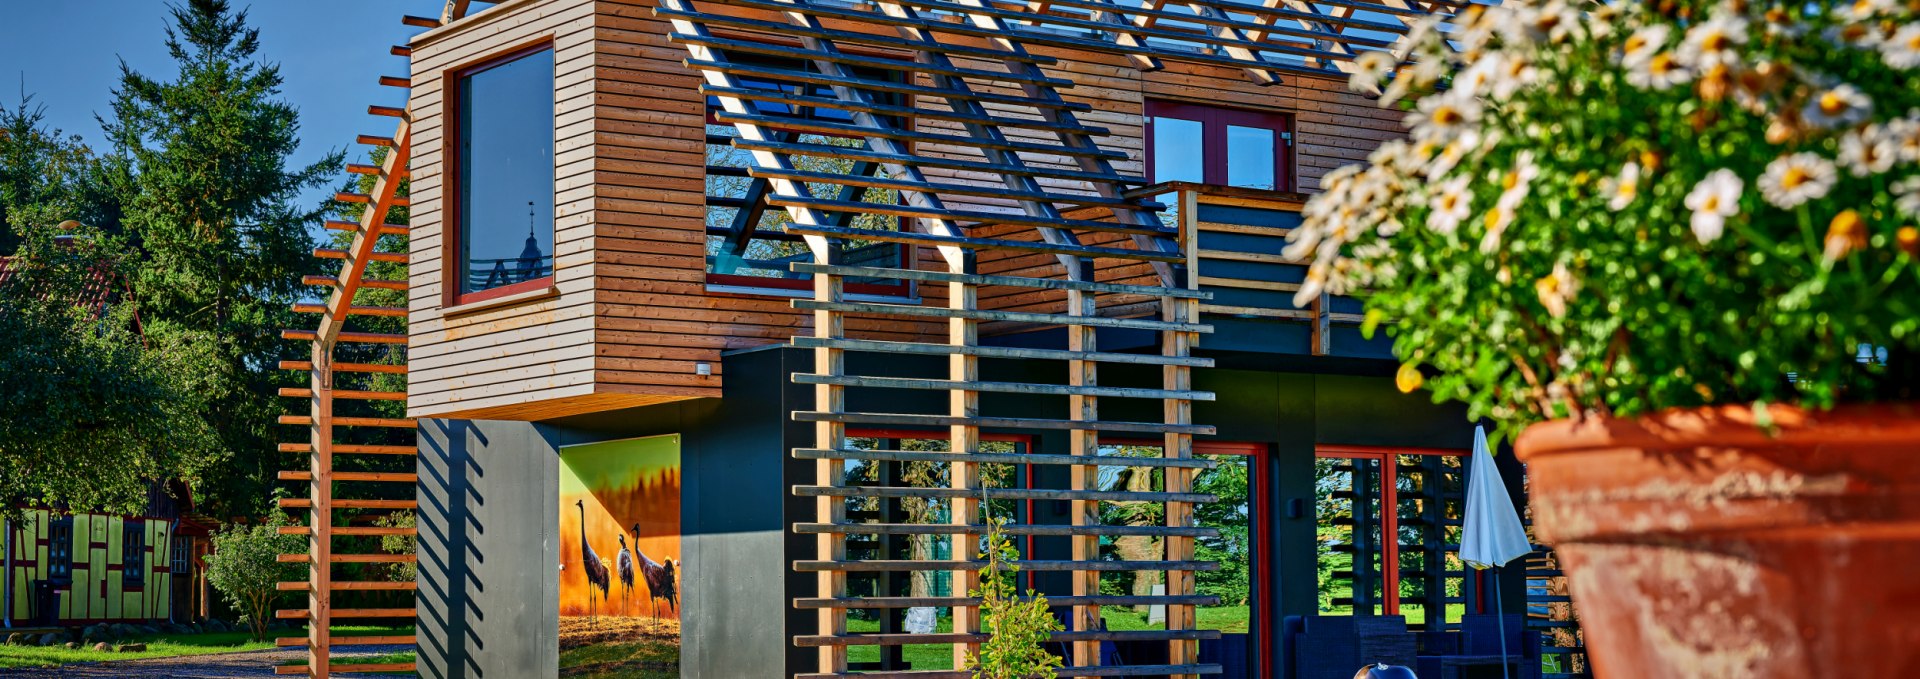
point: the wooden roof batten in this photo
(321, 422)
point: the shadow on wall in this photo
(447, 553)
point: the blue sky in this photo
(329, 52)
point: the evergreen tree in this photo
(46, 177)
(209, 200)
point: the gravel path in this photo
(248, 665)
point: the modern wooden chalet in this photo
(809, 237)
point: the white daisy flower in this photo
(1905, 134)
(1498, 219)
(1443, 116)
(1478, 78)
(1867, 152)
(1659, 72)
(1797, 178)
(1453, 153)
(1514, 72)
(1860, 10)
(1556, 289)
(1623, 189)
(1714, 41)
(1515, 183)
(1907, 196)
(1713, 200)
(1644, 43)
(1841, 106)
(1451, 204)
(1902, 50)
(1369, 69)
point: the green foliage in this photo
(1589, 219)
(46, 177)
(400, 544)
(1016, 628)
(1233, 549)
(209, 202)
(90, 413)
(245, 567)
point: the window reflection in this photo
(1250, 157)
(506, 173)
(1179, 155)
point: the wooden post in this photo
(829, 435)
(320, 521)
(1084, 408)
(964, 369)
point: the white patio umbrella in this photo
(1491, 535)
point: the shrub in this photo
(1617, 208)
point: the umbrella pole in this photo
(1500, 613)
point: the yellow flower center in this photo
(1853, 32)
(1908, 238)
(1636, 43)
(1776, 15)
(1794, 177)
(1833, 104)
(1662, 63)
(1716, 41)
(1846, 225)
(1711, 204)
(1448, 115)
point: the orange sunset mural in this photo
(620, 556)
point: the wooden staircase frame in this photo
(320, 614)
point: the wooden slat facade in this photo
(632, 315)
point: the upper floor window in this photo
(747, 243)
(60, 549)
(503, 199)
(1248, 149)
(133, 553)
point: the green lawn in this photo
(1223, 618)
(165, 646)
(384, 659)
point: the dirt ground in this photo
(578, 632)
(249, 665)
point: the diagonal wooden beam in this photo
(366, 240)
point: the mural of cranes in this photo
(660, 579)
(592, 565)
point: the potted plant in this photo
(1675, 243)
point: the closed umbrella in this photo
(1492, 535)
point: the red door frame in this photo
(1389, 459)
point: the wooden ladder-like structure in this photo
(1001, 87)
(325, 427)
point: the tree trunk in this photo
(1140, 547)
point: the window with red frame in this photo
(503, 198)
(1418, 496)
(1220, 146)
(747, 243)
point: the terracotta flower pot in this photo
(1698, 545)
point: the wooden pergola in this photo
(969, 62)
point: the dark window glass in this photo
(1388, 528)
(133, 553)
(747, 242)
(505, 208)
(1220, 146)
(60, 550)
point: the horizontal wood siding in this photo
(520, 353)
(634, 316)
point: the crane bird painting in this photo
(619, 533)
(591, 564)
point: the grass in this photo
(940, 656)
(644, 659)
(1223, 618)
(164, 646)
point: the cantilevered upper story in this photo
(609, 195)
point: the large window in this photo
(1220, 146)
(748, 247)
(133, 553)
(503, 199)
(1415, 496)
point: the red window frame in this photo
(1214, 121)
(1389, 459)
(451, 276)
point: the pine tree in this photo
(46, 177)
(210, 203)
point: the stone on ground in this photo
(103, 647)
(133, 648)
